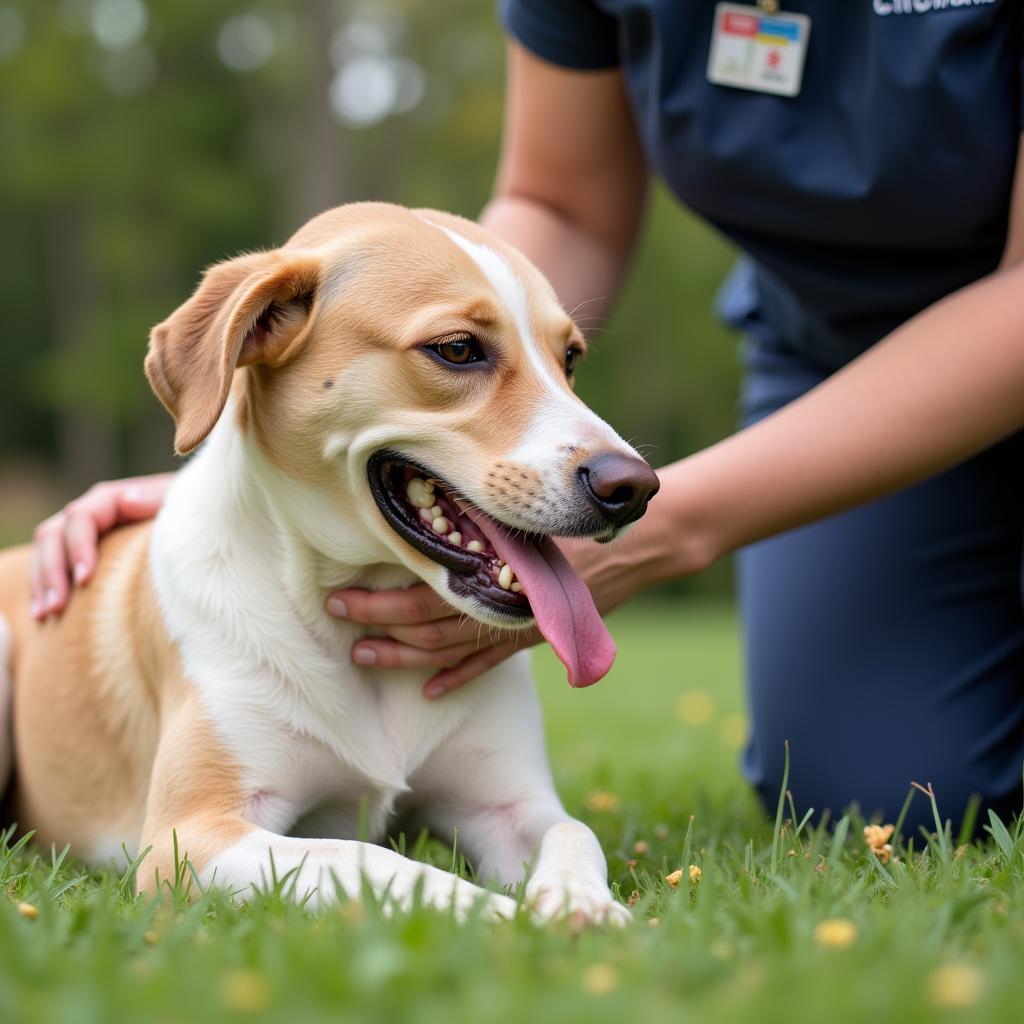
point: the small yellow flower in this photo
(641, 847)
(244, 991)
(674, 879)
(875, 835)
(877, 838)
(835, 933)
(653, 922)
(28, 911)
(955, 985)
(152, 937)
(695, 874)
(353, 912)
(733, 731)
(600, 979)
(601, 801)
(695, 707)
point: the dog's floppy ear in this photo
(252, 309)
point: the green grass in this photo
(937, 927)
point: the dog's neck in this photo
(242, 585)
(232, 512)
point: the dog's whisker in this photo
(586, 302)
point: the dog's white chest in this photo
(301, 778)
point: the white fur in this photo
(560, 415)
(242, 558)
(499, 273)
(316, 870)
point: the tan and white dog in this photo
(386, 398)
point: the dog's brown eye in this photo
(570, 360)
(459, 351)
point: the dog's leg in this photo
(571, 876)
(507, 834)
(490, 789)
(196, 809)
(316, 871)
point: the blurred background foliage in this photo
(140, 140)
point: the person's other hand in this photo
(66, 544)
(421, 630)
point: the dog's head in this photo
(411, 379)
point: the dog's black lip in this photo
(467, 572)
(403, 521)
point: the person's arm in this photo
(572, 179)
(941, 388)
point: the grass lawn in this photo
(785, 927)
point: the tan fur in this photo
(95, 694)
(443, 293)
(194, 353)
(510, 484)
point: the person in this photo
(875, 494)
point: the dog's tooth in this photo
(426, 516)
(516, 587)
(418, 494)
(475, 546)
(505, 576)
(440, 525)
(455, 538)
(437, 511)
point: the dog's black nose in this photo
(618, 486)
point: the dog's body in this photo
(198, 688)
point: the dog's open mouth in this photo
(430, 516)
(509, 575)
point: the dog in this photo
(385, 399)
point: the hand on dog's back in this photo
(66, 545)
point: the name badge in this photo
(754, 50)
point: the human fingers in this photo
(81, 540)
(454, 630)
(389, 607)
(383, 652)
(86, 519)
(66, 544)
(141, 498)
(48, 575)
(476, 664)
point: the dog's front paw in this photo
(580, 902)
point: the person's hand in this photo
(66, 544)
(421, 630)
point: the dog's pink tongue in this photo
(562, 604)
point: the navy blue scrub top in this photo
(883, 186)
